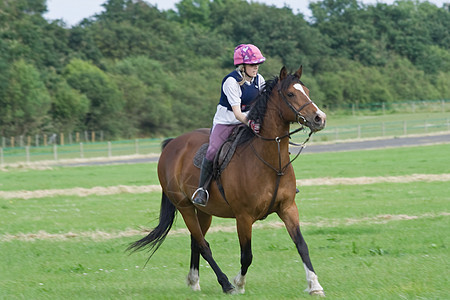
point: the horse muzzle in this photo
(317, 121)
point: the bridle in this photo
(281, 169)
(297, 112)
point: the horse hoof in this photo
(239, 282)
(230, 290)
(318, 293)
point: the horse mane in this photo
(258, 109)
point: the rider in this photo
(239, 89)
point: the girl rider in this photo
(239, 89)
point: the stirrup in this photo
(195, 193)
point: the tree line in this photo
(134, 70)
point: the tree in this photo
(147, 94)
(69, 106)
(27, 100)
(106, 100)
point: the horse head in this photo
(299, 107)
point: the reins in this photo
(280, 171)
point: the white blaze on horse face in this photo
(299, 87)
(314, 286)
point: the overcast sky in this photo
(73, 11)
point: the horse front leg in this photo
(244, 229)
(193, 278)
(291, 220)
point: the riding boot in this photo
(201, 195)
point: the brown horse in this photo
(258, 181)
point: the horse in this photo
(245, 196)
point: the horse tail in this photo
(157, 236)
(164, 143)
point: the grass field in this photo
(372, 241)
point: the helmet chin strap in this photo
(245, 72)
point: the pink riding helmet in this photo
(247, 54)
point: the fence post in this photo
(77, 137)
(61, 139)
(55, 152)
(12, 141)
(36, 140)
(27, 151)
(81, 150)
(136, 145)
(383, 105)
(45, 140)
(21, 141)
(109, 150)
(86, 137)
(3, 142)
(92, 136)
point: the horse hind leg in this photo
(192, 222)
(193, 278)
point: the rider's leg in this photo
(218, 135)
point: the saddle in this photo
(225, 153)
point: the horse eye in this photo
(290, 94)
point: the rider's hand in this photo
(255, 126)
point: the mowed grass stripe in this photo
(133, 189)
(102, 235)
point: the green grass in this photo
(382, 162)
(336, 119)
(343, 127)
(362, 259)
(389, 261)
(385, 162)
(87, 177)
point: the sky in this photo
(73, 11)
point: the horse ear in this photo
(298, 74)
(283, 73)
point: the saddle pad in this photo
(201, 152)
